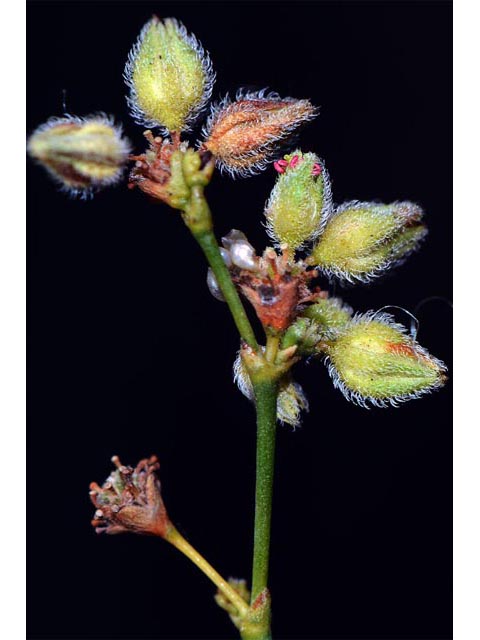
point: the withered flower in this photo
(244, 135)
(273, 285)
(130, 500)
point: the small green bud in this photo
(299, 201)
(304, 334)
(374, 361)
(170, 76)
(82, 154)
(291, 400)
(362, 239)
(329, 313)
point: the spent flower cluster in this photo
(371, 359)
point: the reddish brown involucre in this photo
(130, 500)
(245, 134)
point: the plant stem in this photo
(266, 403)
(207, 241)
(177, 540)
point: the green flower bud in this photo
(299, 201)
(329, 313)
(170, 76)
(374, 361)
(291, 400)
(304, 334)
(362, 239)
(82, 154)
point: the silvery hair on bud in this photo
(137, 113)
(383, 403)
(270, 149)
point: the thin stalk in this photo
(266, 404)
(177, 540)
(209, 245)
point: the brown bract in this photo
(130, 500)
(152, 170)
(242, 135)
(276, 289)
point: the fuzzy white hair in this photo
(202, 55)
(367, 401)
(270, 148)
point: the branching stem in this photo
(209, 245)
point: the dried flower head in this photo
(274, 285)
(82, 154)
(375, 361)
(363, 239)
(130, 500)
(170, 76)
(245, 134)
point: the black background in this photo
(129, 353)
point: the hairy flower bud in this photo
(82, 154)
(170, 76)
(243, 135)
(291, 400)
(330, 314)
(374, 361)
(363, 239)
(299, 201)
(130, 500)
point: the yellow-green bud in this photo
(374, 361)
(362, 239)
(170, 76)
(299, 201)
(82, 154)
(331, 314)
(291, 400)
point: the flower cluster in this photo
(371, 359)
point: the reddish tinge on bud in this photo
(130, 500)
(245, 135)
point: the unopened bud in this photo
(362, 239)
(374, 361)
(299, 201)
(304, 334)
(170, 76)
(291, 399)
(244, 135)
(82, 154)
(330, 314)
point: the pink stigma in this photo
(294, 161)
(317, 169)
(278, 167)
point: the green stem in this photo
(207, 241)
(174, 537)
(266, 403)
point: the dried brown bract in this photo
(276, 289)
